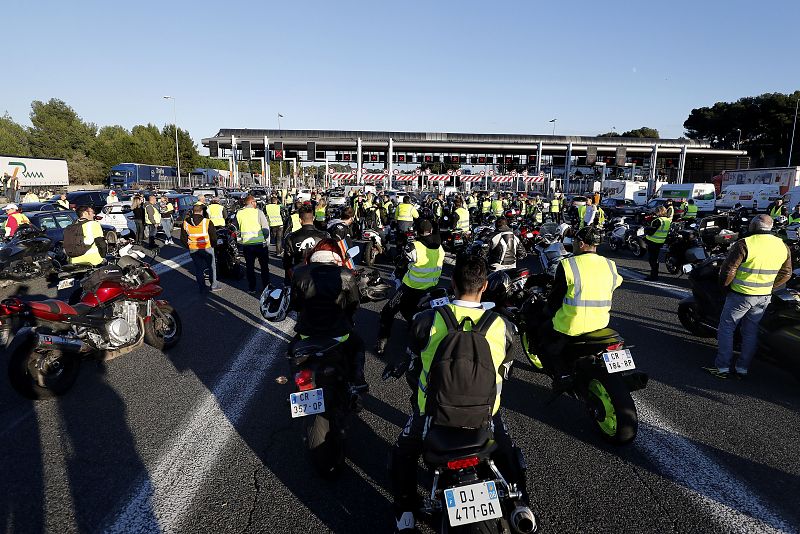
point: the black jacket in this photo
(325, 296)
(297, 243)
(341, 231)
(505, 248)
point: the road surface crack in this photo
(257, 488)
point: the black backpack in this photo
(73, 240)
(462, 383)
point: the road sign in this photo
(354, 172)
(482, 173)
(385, 171)
(450, 172)
(396, 172)
(458, 172)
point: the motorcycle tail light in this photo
(536, 232)
(304, 380)
(529, 234)
(454, 465)
(615, 346)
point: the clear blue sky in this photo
(468, 66)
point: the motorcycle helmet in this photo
(274, 303)
(498, 285)
(372, 287)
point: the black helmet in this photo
(591, 235)
(498, 284)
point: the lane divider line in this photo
(633, 276)
(164, 496)
(174, 263)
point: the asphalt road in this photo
(200, 439)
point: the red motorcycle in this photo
(118, 312)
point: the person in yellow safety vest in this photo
(430, 332)
(555, 208)
(152, 220)
(274, 213)
(670, 210)
(216, 213)
(92, 236)
(14, 220)
(586, 214)
(167, 222)
(486, 206)
(600, 218)
(462, 217)
(776, 209)
(794, 217)
(425, 257)
(497, 207)
(294, 223)
(320, 214)
(754, 268)
(30, 196)
(472, 201)
(62, 202)
(580, 302)
(690, 210)
(388, 207)
(405, 214)
(199, 234)
(254, 237)
(655, 240)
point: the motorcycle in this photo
(26, 255)
(374, 245)
(226, 253)
(683, 247)
(716, 233)
(778, 331)
(623, 235)
(117, 313)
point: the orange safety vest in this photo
(198, 238)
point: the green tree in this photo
(58, 131)
(113, 145)
(13, 138)
(149, 146)
(763, 122)
(187, 148)
(609, 134)
(85, 170)
(644, 131)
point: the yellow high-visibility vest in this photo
(756, 275)
(425, 272)
(250, 232)
(215, 214)
(273, 212)
(591, 281)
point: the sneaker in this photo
(216, 288)
(380, 346)
(716, 373)
(405, 523)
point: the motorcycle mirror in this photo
(275, 293)
(354, 251)
(687, 268)
(488, 305)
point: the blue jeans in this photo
(166, 224)
(204, 259)
(745, 309)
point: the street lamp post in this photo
(794, 127)
(554, 125)
(177, 152)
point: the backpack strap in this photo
(485, 322)
(449, 319)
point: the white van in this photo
(704, 195)
(792, 198)
(752, 196)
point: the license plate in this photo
(308, 402)
(618, 361)
(64, 284)
(640, 231)
(473, 503)
(440, 302)
(458, 241)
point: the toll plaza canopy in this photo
(677, 160)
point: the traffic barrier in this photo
(438, 177)
(472, 178)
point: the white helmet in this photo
(274, 303)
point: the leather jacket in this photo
(296, 244)
(324, 291)
(505, 248)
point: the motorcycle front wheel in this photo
(325, 444)
(41, 375)
(671, 263)
(637, 248)
(689, 316)
(163, 330)
(612, 409)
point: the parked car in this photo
(119, 215)
(620, 207)
(183, 204)
(26, 207)
(96, 199)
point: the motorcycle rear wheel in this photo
(325, 445)
(24, 373)
(637, 248)
(688, 316)
(612, 408)
(671, 263)
(163, 332)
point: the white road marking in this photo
(729, 501)
(164, 498)
(175, 263)
(633, 276)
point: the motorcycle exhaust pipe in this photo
(636, 381)
(523, 520)
(47, 341)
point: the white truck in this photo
(35, 173)
(785, 178)
(751, 196)
(626, 189)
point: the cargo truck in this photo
(785, 178)
(35, 173)
(125, 175)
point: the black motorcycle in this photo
(683, 247)
(778, 331)
(226, 254)
(26, 255)
(323, 399)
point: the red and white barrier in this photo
(535, 179)
(438, 177)
(502, 179)
(405, 177)
(472, 178)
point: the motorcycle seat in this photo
(52, 306)
(314, 345)
(598, 337)
(444, 444)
